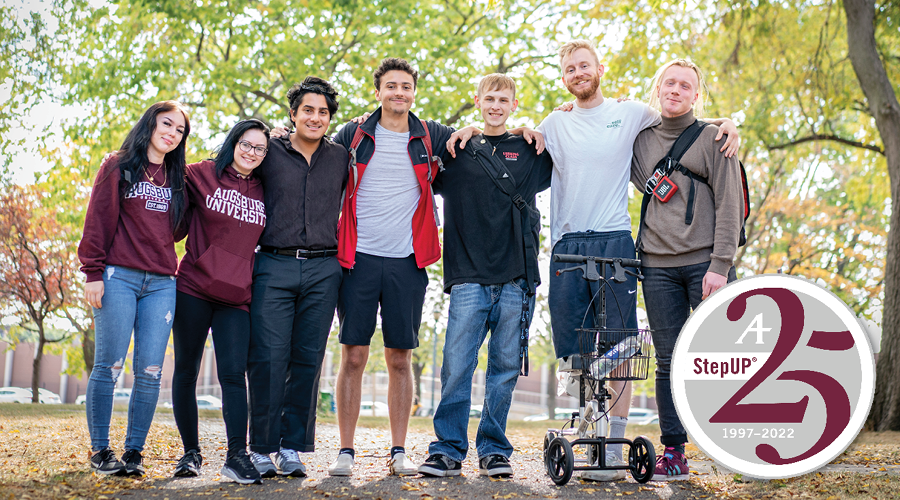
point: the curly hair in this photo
(394, 64)
(313, 85)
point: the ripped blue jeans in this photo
(144, 303)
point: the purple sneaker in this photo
(671, 466)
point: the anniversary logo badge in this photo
(773, 376)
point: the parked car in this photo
(46, 397)
(475, 411)
(15, 395)
(209, 403)
(654, 420)
(365, 409)
(637, 415)
(120, 397)
(559, 414)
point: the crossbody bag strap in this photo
(504, 180)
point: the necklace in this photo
(165, 175)
(502, 138)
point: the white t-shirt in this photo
(591, 151)
(387, 198)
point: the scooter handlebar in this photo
(581, 259)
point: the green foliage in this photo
(819, 183)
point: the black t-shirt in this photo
(480, 243)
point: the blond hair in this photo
(569, 48)
(701, 85)
(496, 81)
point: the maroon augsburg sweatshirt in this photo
(133, 232)
(225, 218)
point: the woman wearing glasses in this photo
(127, 252)
(226, 215)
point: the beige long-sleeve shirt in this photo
(666, 241)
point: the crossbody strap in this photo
(671, 162)
(504, 180)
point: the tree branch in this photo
(459, 112)
(826, 137)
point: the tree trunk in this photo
(551, 391)
(883, 105)
(417, 369)
(36, 367)
(87, 349)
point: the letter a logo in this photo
(755, 326)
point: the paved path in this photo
(371, 480)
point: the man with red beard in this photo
(591, 147)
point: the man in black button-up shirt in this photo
(303, 198)
(296, 278)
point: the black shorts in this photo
(570, 295)
(397, 285)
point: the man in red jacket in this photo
(387, 236)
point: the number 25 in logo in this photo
(773, 376)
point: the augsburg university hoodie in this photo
(225, 219)
(134, 232)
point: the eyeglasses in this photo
(318, 88)
(257, 150)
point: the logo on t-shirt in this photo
(615, 124)
(510, 156)
(157, 197)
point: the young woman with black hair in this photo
(127, 252)
(226, 215)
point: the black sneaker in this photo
(439, 465)
(240, 469)
(495, 466)
(133, 463)
(105, 462)
(189, 465)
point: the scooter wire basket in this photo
(609, 354)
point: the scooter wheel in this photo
(559, 460)
(550, 436)
(642, 459)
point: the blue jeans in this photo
(474, 309)
(670, 293)
(144, 303)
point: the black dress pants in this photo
(291, 314)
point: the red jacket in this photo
(426, 246)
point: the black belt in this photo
(298, 253)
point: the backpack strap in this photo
(672, 162)
(351, 167)
(434, 163)
(689, 212)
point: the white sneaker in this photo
(606, 475)
(342, 465)
(402, 466)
